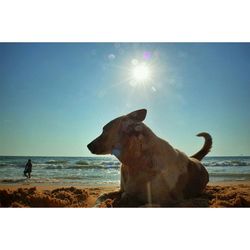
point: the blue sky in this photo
(56, 97)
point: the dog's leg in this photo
(117, 194)
(124, 177)
(112, 195)
(128, 200)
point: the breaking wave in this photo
(227, 163)
(82, 163)
(54, 167)
(93, 166)
(56, 162)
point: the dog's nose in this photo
(90, 147)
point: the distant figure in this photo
(28, 169)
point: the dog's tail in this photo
(206, 147)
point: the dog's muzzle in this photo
(96, 148)
(91, 148)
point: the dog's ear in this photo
(138, 115)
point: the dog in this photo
(152, 171)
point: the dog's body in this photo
(152, 171)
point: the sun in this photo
(141, 73)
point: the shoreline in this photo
(50, 186)
(216, 194)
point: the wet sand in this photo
(223, 194)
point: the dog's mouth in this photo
(97, 150)
(91, 148)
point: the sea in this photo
(102, 171)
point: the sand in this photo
(225, 194)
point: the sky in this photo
(56, 97)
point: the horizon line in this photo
(106, 156)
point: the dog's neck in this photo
(146, 151)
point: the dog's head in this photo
(118, 133)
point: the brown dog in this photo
(152, 171)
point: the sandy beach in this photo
(224, 194)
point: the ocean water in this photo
(100, 171)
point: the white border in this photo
(144, 228)
(130, 21)
(126, 21)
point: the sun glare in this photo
(141, 73)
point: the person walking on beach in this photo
(28, 169)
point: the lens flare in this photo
(141, 73)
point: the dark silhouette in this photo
(28, 169)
